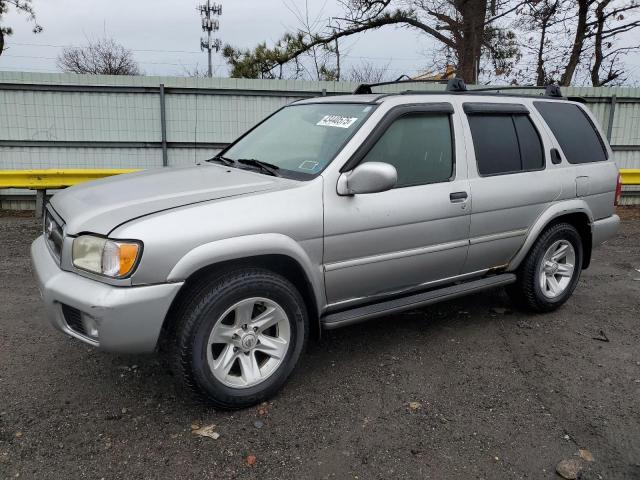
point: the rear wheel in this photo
(239, 337)
(550, 273)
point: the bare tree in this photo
(368, 72)
(521, 41)
(580, 41)
(608, 23)
(546, 40)
(464, 27)
(23, 6)
(321, 55)
(320, 61)
(196, 71)
(101, 57)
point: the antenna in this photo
(210, 25)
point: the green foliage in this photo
(23, 6)
(257, 63)
(446, 22)
(265, 62)
(503, 49)
(285, 58)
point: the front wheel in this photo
(240, 336)
(550, 273)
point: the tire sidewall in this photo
(210, 314)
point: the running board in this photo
(359, 314)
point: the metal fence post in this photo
(163, 126)
(41, 197)
(612, 112)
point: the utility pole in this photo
(210, 25)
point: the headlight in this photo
(112, 258)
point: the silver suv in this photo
(331, 211)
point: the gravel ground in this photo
(498, 394)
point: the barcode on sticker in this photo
(336, 121)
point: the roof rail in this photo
(457, 85)
(365, 88)
(549, 90)
(553, 91)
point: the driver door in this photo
(412, 236)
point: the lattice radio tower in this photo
(210, 25)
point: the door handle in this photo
(458, 197)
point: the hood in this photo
(102, 205)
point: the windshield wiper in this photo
(223, 160)
(266, 167)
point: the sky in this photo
(164, 35)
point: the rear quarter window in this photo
(576, 134)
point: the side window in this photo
(420, 146)
(530, 145)
(505, 143)
(574, 131)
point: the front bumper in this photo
(127, 319)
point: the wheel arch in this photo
(273, 252)
(574, 212)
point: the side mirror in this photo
(368, 177)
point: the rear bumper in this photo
(127, 319)
(602, 230)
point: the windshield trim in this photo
(295, 175)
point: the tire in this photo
(534, 289)
(223, 363)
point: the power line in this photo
(80, 46)
(37, 57)
(195, 52)
(220, 65)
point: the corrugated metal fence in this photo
(76, 121)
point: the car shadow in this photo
(149, 377)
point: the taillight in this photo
(618, 191)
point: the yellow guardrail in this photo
(630, 176)
(54, 178)
(59, 178)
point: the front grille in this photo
(73, 317)
(53, 234)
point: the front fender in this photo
(554, 211)
(254, 245)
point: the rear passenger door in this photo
(510, 186)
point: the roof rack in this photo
(365, 88)
(549, 90)
(457, 85)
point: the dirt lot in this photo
(499, 394)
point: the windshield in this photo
(301, 140)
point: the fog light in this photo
(90, 326)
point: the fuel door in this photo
(582, 186)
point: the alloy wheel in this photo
(248, 342)
(557, 268)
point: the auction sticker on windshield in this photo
(336, 121)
